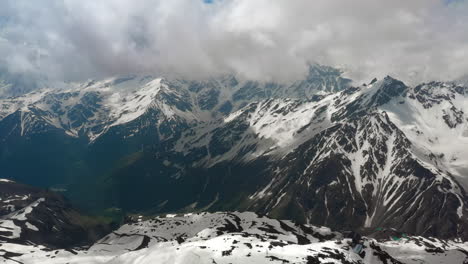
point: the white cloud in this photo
(263, 39)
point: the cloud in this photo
(260, 39)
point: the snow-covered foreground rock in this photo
(37, 220)
(237, 238)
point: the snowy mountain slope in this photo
(437, 124)
(347, 154)
(90, 109)
(239, 238)
(364, 171)
(287, 123)
(55, 132)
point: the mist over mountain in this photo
(75, 40)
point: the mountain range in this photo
(321, 151)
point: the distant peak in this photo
(390, 78)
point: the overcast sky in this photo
(413, 40)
